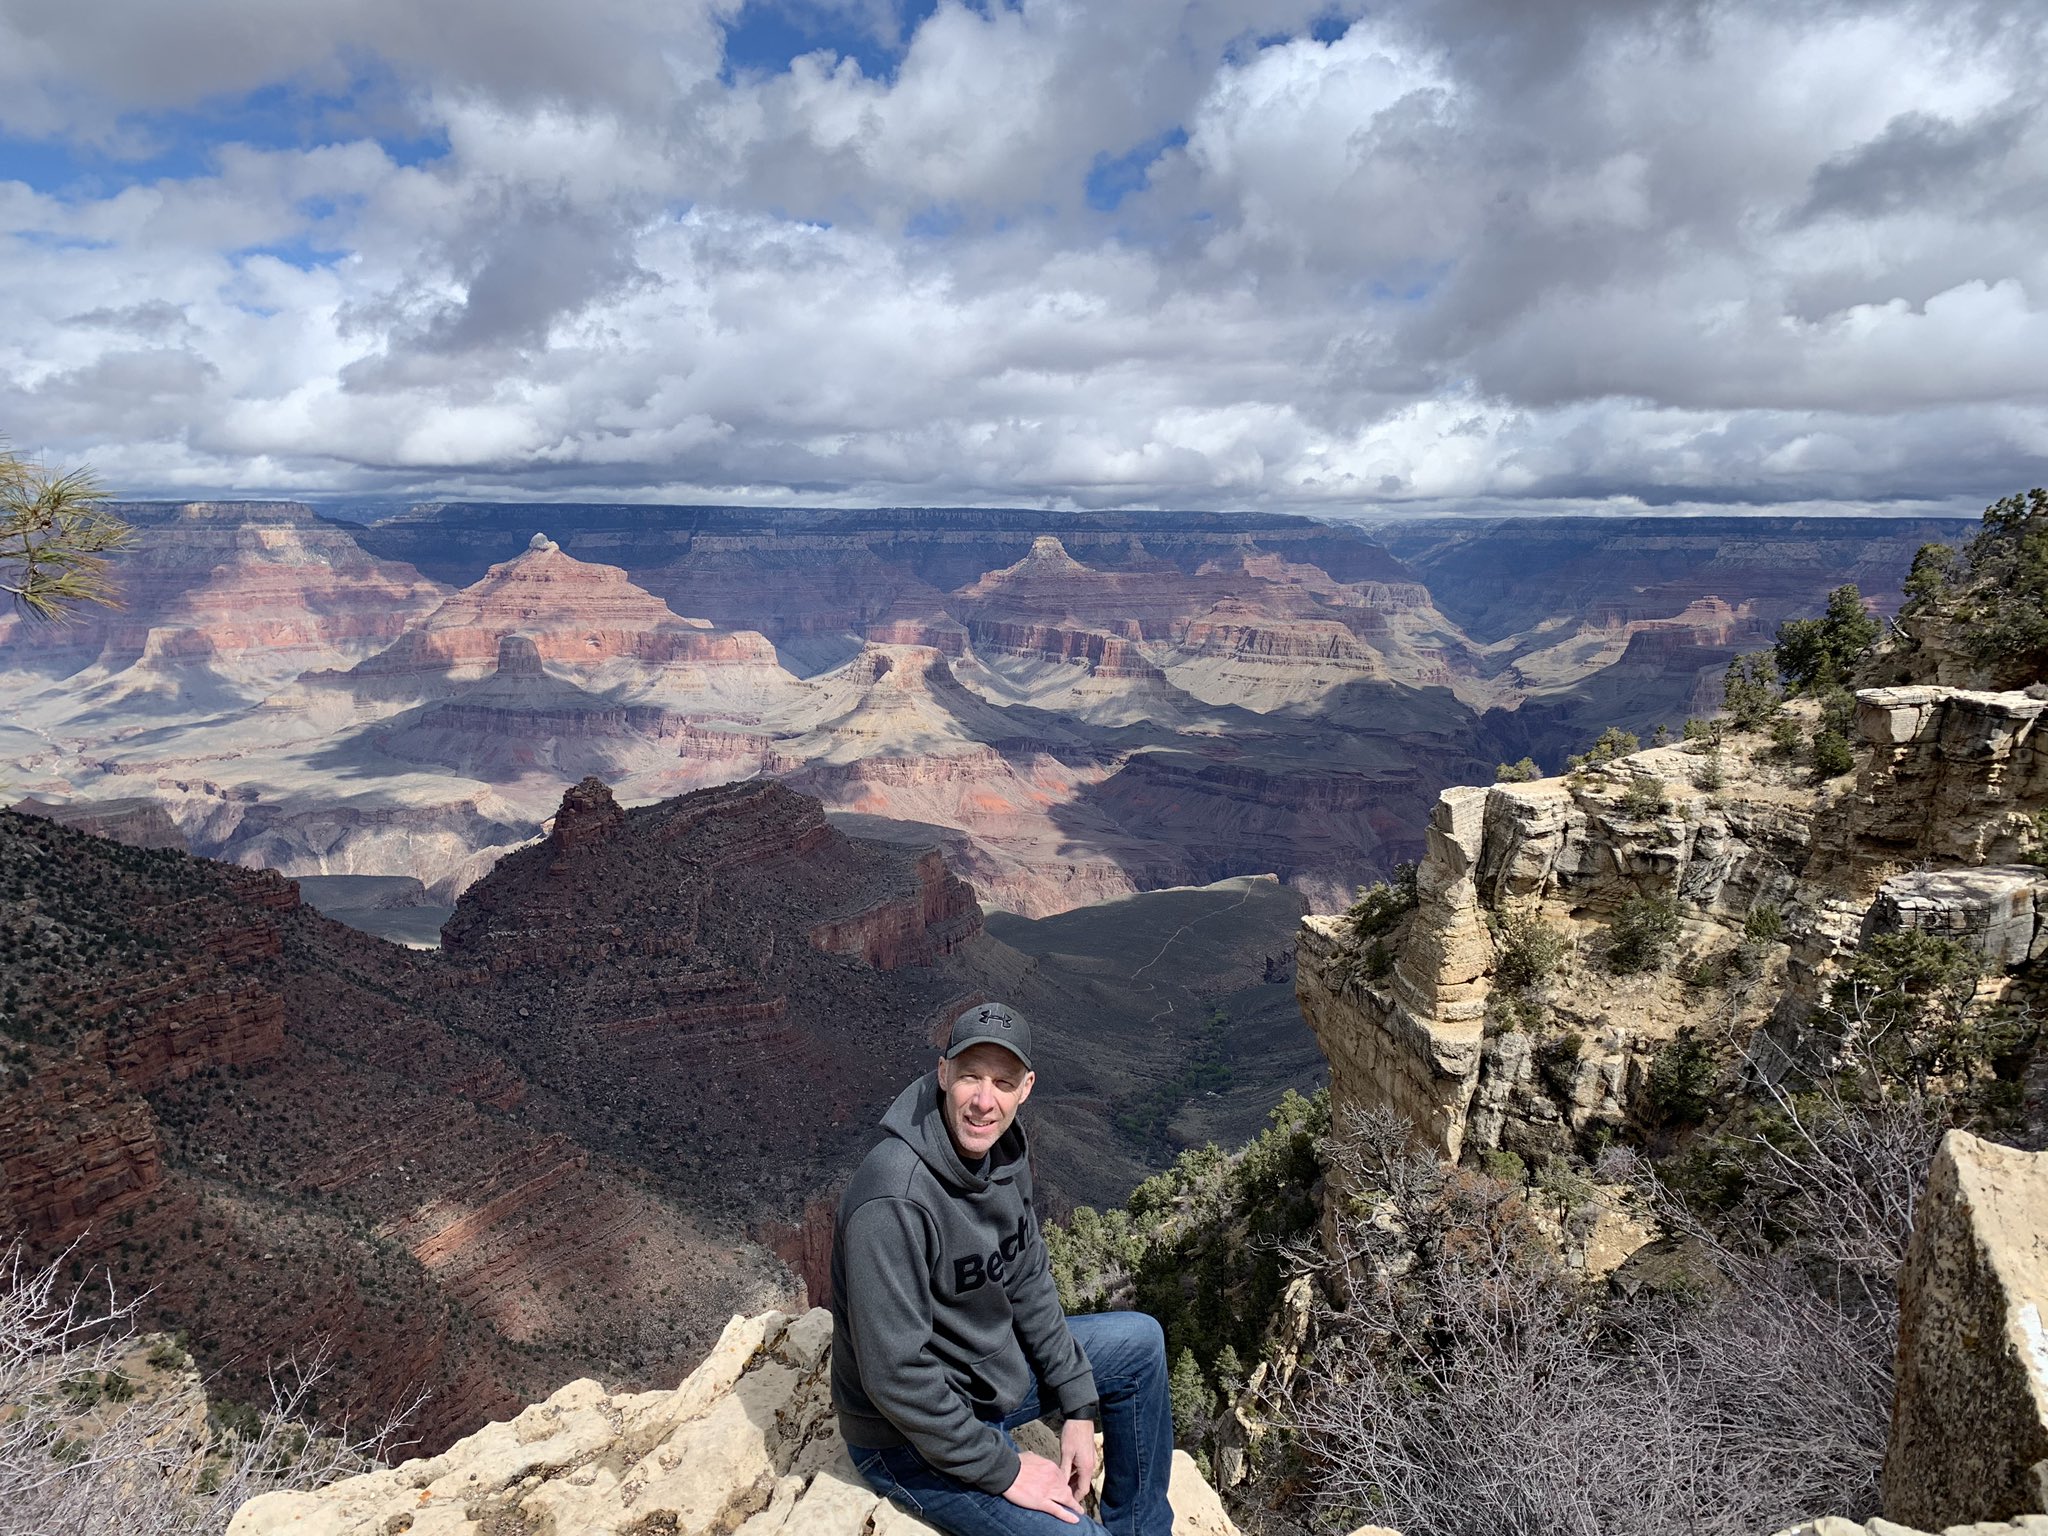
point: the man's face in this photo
(979, 1091)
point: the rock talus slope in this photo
(746, 1446)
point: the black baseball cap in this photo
(995, 1024)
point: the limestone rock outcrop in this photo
(1836, 1525)
(1431, 1040)
(1937, 833)
(747, 1445)
(1969, 1435)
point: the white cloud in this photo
(1463, 251)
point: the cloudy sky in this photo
(1201, 253)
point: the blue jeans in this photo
(1128, 1353)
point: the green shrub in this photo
(1832, 756)
(1380, 906)
(1707, 775)
(1786, 739)
(1934, 567)
(1704, 735)
(1813, 655)
(1517, 773)
(1680, 1089)
(1765, 924)
(1193, 1404)
(1527, 949)
(1641, 934)
(1644, 800)
(1909, 1001)
(1200, 1247)
(1507, 1167)
(1613, 742)
(1376, 961)
(2002, 611)
(1749, 692)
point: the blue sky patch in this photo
(935, 223)
(768, 35)
(1113, 178)
(301, 253)
(185, 144)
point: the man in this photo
(946, 1326)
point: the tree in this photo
(1751, 697)
(1193, 1407)
(55, 534)
(1614, 742)
(1814, 655)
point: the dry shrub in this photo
(1467, 1385)
(76, 1460)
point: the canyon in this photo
(612, 1108)
(560, 1143)
(1076, 707)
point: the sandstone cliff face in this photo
(1925, 838)
(1969, 1436)
(746, 1446)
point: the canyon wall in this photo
(1934, 833)
(1083, 705)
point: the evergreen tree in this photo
(55, 533)
(1815, 655)
(1193, 1406)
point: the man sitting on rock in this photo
(947, 1332)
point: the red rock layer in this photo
(911, 929)
(575, 615)
(221, 1099)
(80, 1151)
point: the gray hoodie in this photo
(943, 1304)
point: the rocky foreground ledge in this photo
(747, 1445)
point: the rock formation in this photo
(747, 1445)
(1969, 1435)
(260, 592)
(590, 622)
(1927, 837)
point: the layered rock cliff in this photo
(255, 592)
(1766, 886)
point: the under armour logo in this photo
(988, 1015)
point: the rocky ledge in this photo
(747, 1445)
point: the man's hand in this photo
(1077, 1456)
(1040, 1484)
